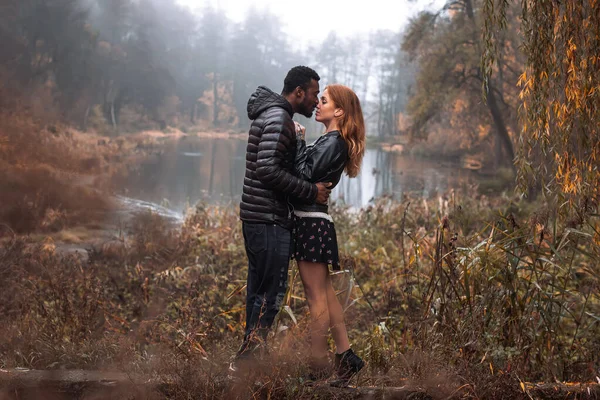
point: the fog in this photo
(121, 65)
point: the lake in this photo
(193, 169)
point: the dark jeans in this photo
(269, 249)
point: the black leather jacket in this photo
(322, 161)
(270, 180)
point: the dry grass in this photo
(465, 304)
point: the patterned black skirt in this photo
(315, 241)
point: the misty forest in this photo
(469, 241)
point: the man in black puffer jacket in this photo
(265, 209)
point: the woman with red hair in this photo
(340, 149)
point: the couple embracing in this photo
(285, 215)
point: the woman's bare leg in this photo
(314, 278)
(336, 319)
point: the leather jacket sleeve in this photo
(313, 162)
(276, 140)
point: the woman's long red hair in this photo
(351, 125)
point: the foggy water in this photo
(212, 170)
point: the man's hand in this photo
(300, 131)
(323, 194)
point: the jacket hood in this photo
(264, 98)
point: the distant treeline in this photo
(117, 65)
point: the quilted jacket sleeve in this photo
(275, 142)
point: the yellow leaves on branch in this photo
(559, 94)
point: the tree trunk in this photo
(492, 104)
(380, 116)
(501, 129)
(213, 156)
(112, 116)
(498, 153)
(215, 100)
(469, 8)
(86, 115)
(367, 72)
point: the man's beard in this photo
(307, 112)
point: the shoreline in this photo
(114, 158)
(175, 133)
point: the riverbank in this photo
(53, 177)
(74, 177)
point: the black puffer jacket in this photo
(322, 161)
(270, 180)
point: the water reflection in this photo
(212, 170)
(385, 173)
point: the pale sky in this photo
(309, 21)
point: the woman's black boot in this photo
(347, 365)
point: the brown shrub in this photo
(34, 199)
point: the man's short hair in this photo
(299, 76)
